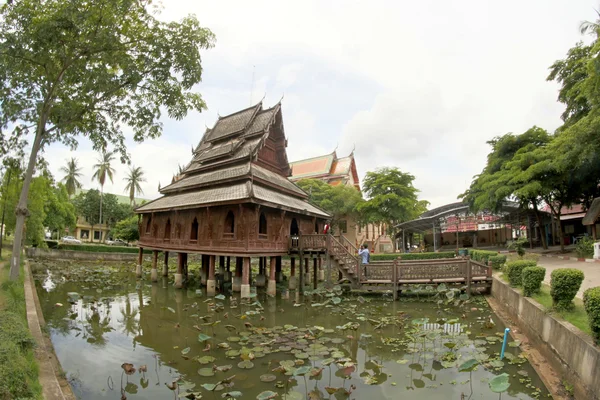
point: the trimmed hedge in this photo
(591, 302)
(482, 255)
(427, 256)
(97, 248)
(564, 285)
(532, 280)
(514, 270)
(497, 261)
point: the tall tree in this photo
(60, 211)
(102, 170)
(391, 198)
(72, 173)
(71, 68)
(341, 200)
(87, 206)
(134, 179)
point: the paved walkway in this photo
(591, 271)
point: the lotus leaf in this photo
(266, 395)
(302, 370)
(468, 365)
(220, 297)
(499, 383)
(268, 378)
(206, 359)
(185, 351)
(203, 338)
(231, 395)
(206, 372)
(246, 364)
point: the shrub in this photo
(564, 284)
(591, 302)
(425, 256)
(97, 248)
(514, 269)
(497, 261)
(532, 280)
(482, 255)
(519, 246)
(585, 247)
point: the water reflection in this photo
(374, 348)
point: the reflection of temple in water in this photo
(446, 328)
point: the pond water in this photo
(101, 319)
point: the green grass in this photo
(18, 367)
(577, 316)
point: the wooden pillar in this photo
(245, 288)
(211, 284)
(272, 285)
(237, 279)
(179, 274)
(293, 281)
(138, 269)
(321, 271)
(278, 273)
(222, 264)
(315, 276)
(306, 271)
(468, 277)
(301, 274)
(166, 264)
(154, 270)
(185, 266)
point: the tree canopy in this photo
(391, 198)
(340, 200)
(81, 68)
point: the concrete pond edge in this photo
(566, 349)
(44, 352)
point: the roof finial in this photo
(353, 148)
(265, 95)
(282, 96)
(159, 186)
(336, 146)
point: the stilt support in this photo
(154, 270)
(166, 265)
(245, 287)
(179, 275)
(293, 282)
(272, 286)
(237, 279)
(138, 269)
(211, 284)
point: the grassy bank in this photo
(577, 316)
(18, 367)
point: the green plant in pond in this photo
(564, 285)
(585, 247)
(591, 302)
(514, 269)
(532, 278)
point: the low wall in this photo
(566, 348)
(34, 252)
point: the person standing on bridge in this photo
(364, 257)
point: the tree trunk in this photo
(2, 228)
(539, 221)
(561, 235)
(101, 196)
(21, 211)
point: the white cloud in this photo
(418, 85)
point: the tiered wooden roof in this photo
(328, 168)
(241, 159)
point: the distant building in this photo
(342, 171)
(99, 232)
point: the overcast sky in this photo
(419, 85)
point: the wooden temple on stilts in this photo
(234, 202)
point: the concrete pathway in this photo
(591, 271)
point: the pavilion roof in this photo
(226, 168)
(592, 213)
(328, 168)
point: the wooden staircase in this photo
(344, 257)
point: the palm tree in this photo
(135, 177)
(72, 175)
(103, 169)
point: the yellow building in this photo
(342, 171)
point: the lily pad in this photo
(220, 297)
(268, 378)
(246, 364)
(231, 395)
(266, 395)
(497, 363)
(499, 383)
(302, 370)
(209, 386)
(468, 365)
(203, 338)
(185, 351)
(206, 372)
(206, 359)
(516, 343)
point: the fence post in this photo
(489, 269)
(395, 278)
(469, 273)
